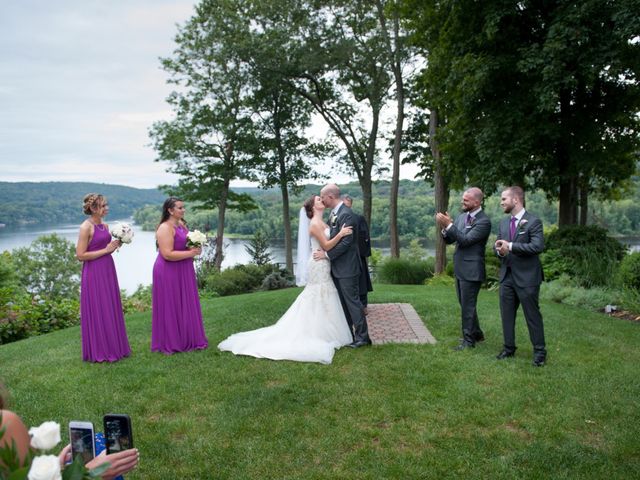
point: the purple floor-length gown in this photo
(104, 335)
(176, 317)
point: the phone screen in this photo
(81, 443)
(117, 433)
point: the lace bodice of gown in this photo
(319, 270)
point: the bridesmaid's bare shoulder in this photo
(86, 227)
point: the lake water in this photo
(134, 262)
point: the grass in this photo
(392, 411)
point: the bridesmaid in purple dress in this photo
(176, 317)
(104, 336)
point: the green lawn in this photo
(393, 411)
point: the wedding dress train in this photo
(309, 331)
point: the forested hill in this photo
(26, 203)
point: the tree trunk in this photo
(568, 195)
(441, 191)
(584, 205)
(394, 54)
(222, 208)
(286, 220)
(568, 201)
(367, 166)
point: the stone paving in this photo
(396, 323)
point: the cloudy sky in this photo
(80, 84)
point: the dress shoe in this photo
(479, 337)
(505, 354)
(463, 345)
(538, 360)
(359, 343)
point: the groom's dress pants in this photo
(349, 292)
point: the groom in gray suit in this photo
(345, 264)
(520, 242)
(469, 232)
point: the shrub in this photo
(565, 290)
(402, 271)
(586, 254)
(276, 281)
(28, 315)
(49, 267)
(238, 279)
(8, 277)
(441, 279)
(629, 272)
(138, 301)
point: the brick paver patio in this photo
(396, 323)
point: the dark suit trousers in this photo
(468, 299)
(349, 292)
(511, 297)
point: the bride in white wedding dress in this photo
(315, 325)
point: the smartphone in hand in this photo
(81, 439)
(117, 432)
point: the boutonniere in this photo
(521, 225)
(332, 219)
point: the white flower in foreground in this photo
(122, 232)
(46, 436)
(45, 467)
(196, 238)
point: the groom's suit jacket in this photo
(471, 241)
(345, 257)
(528, 244)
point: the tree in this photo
(535, 93)
(48, 267)
(209, 141)
(336, 61)
(258, 248)
(398, 53)
(284, 153)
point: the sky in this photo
(80, 85)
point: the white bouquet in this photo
(122, 232)
(196, 239)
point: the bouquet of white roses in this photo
(196, 239)
(122, 232)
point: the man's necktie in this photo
(512, 228)
(468, 221)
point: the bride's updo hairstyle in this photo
(91, 202)
(309, 204)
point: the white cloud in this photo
(80, 85)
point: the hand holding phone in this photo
(118, 432)
(81, 439)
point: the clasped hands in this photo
(443, 220)
(502, 247)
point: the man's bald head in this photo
(472, 199)
(330, 195)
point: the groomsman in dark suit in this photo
(470, 232)
(520, 242)
(364, 250)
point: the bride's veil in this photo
(304, 248)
